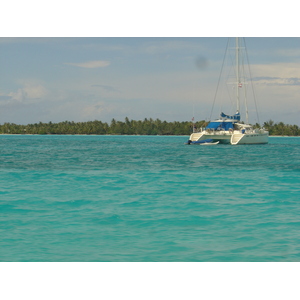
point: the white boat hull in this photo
(233, 138)
(255, 138)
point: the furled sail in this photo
(236, 116)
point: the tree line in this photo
(281, 128)
(130, 127)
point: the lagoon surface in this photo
(148, 198)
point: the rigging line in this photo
(251, 83)
(232, 76)
(219, 80)
(245, 83)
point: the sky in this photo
(45, 76)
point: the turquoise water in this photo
(148, 198)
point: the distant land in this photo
(132, 127)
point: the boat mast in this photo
(238, 83)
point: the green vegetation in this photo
(130, 127)
(281, 128)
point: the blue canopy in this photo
(237, 116)
(220, 125)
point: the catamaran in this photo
(229, 129)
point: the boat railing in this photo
(230, 131)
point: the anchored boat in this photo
(229, 129)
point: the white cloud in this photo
(28, 91)
(92, 111)
(277, 81)
(282, 71)
(106, 88)
(91, 64)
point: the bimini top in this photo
(220, 125)
(225, 122)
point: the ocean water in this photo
(148, 198)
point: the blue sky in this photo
(117, 59)
(81, 79)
